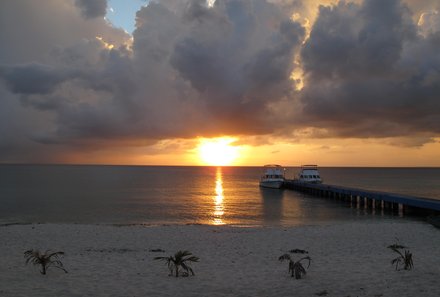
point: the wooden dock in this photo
(369, 199)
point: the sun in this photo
(218, 151)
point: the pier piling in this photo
(370, 200)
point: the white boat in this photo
(273, 176)
(309, 174)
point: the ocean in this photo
(156, 195)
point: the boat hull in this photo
(316, 181)
(271, 184)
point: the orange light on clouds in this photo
(218, 151)
(107, 45)
(225, 151)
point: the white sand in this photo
(349, 259)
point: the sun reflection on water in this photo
(218, 199)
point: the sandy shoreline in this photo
(349, 259)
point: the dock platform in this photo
(369, 199)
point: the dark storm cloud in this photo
(32, 78)
(350, 40)
(92, 8)
(370, 74)
(238, 55)
(49, 56)
(225, 53)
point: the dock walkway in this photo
(369, 199)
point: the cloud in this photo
(235, 61)
(32, 30)
(370, 70)
(357, 40)
(370, 73)
(92, 8)
(32, 78)
(429, 22)
(215, 56)
(192, 70)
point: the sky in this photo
(225, 82)
(122, 13)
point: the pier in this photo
(367, 199)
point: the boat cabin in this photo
(273, 177)
(309, 174)
(273, 172)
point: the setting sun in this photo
(218, 151)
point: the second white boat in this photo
(309, 174)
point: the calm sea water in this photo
(187, 195)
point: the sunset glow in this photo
(218, 151)
(140, 82)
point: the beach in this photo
(348, 259)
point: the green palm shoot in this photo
(296, 268)
(45, 260)
(404, 257)
(181, 261)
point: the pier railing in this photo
(369, 199)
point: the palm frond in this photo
(184, 253)
(161, 258)
(192, 259)
(396, 246)
(190, 270)
(180, 259)
(306, 258)
(404, 258)
(187, 268)
(296, 269)
(298, 251)
(58, 265)
(55, 255)
(408, 262)
(46, 259)
(396, 250)
(284, 257)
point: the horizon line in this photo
(215, 166)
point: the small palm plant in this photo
(296, 269)
(404, 258)
(181, 259)
(46, 260)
